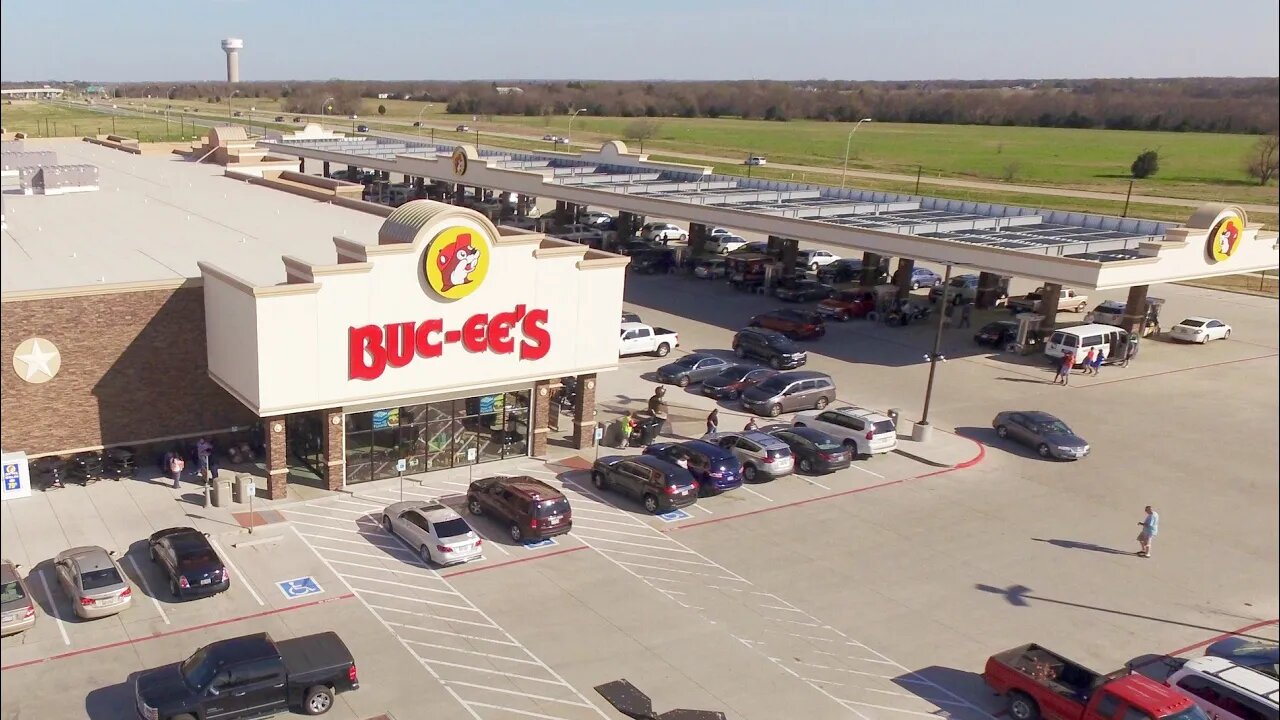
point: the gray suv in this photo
(789, 392)
(763, 456)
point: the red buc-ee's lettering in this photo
(374, 348)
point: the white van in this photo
(1108, 339)
(1227, 691)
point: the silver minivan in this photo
(789, 392)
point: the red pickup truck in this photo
(1042, 684)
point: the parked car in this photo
(434, 530)
(531, 509)
(729, 383)
(362, 128)
(691, 369)
(710, 268)
(660, 486)
(637, 245)
(864, 432)
(789, 392)
(297, 119)
(815, 259)
(1111, 312)
(724, 243)
(189, 561)
(19, 610)
(1200, 330)
(815, 451)
(1040, 683)
(663, 232)
(635, 338)
(1051, 437)
(960, 286)
(754, 247)
(1068, 301)
(848, 304)
(249, 676)
(1227, 691)
(924, 278)
(997, 334)
(653, 260)
(756, 160)
(771, 346)
(597, 219)
(763, 456)
(850, 270)
(802, 291)
(92, 580)
(717, 230)
(715, 468)
(279, 118)
(549, 138)
(795, 324)
(630, 317)
(462, 128)
(1261, 655)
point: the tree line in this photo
(1232, 105)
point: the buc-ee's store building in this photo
(441, 343)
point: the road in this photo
(980, 185)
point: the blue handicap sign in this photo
(674, 515)
(545, 542)
(300, 587)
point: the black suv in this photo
(781, 352)
(533, 509)
(659, 485)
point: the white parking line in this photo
(682, 572)
(454, 634)
(885, 707)
(226, 560)
(398, 571)
(633, 544)
(659, 557)
(358, 521)
(388, 548)
(504, 708)
(490, 688)
(470, 652)
(753, 492)
(485, 670)
(623, 532)
(412, 599)
(146, 588)
(856, 466)
(400, 584)
(579, 521)
(53, 603)
(415, 613)
(811, 481)
(699, 506)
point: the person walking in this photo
(626, 427)
(966, 315)
(176, 466)
(1097, 363)
(1088, 361)
(751, 425)
(204, 450)
(1150, 526)
(1064, 369)
(713, 421)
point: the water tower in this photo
(232, 47)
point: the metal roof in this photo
(1046, 232)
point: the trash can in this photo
(647, 431)
(894, 414)
(241, 493)
(221, 493)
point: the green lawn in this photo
(44, 120)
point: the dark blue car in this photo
(715, 468)
(1260, 655)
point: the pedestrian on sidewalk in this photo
(751, 425)
(1088, 360)
(713, 421)
(1150, 526)
(1064, 369)
(176, 466)
(627, 426)
(204, 449)
(966, 314)
(1097, 363)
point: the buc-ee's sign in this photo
(454, 265)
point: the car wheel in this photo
(1080, 307)
(473, 505)
(318, 700)
(1043, 450)
(683, 381)
(775, 363)
(775, 410)
(425, 553)
(1226, 335)
(1022, 707)
(386, 524)
(853, 449)
(1204, 339)
(820, 404)
(663, 350)
(749, 472)
(805, 465)
(651, 504)
(516, 532)
(814, 267)
(1002, 431)
(598, 479)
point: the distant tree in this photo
(1263, 160)
(382, 109)
(641, 130)
(1011, 171)
(1145, 165)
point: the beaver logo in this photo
(459, 162)
(1225, 237)
(456, 262)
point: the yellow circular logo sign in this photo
(459, 161)
(36, 360)
(456, 262)
(1225, 237)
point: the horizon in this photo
(646, 80)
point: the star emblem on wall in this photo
(36, 360)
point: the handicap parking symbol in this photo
(675, 515)
(545, 542)
(300, 587)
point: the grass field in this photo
(44, 120)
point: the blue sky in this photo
(639, 39)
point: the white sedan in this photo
(1200, 330)
(437, 533)
(866, 432)
(814, 259)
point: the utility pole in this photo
(919, 170)
(1127, 195)
(934, 357)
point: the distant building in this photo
(383, 96)
(46, 93)
(508, 90)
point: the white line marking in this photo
(498, 546)
(398, 571)
(429, 617)
(368, 555)
(885, 707)
(633, 544)
(413, 599)
(400, 584)
(682, 572)
(699, 506)
(811, 481)
(753, 492)
(819, 688)
(489, 670)
(366, 542)
(855, 466)
(490, 688)
(471, 652)
(227, 561)
(779, 607)
(895, 693)
(659, 557)
(53, 602)
(582, 521)
(345, 522)
(454, 634)
(623, 532)
(504, 708)
(365, 506)
(146, 588)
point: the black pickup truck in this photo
(249, 676)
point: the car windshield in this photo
(98, 579)
(547, 508)
(12, 591)
(775, 384)
(1056, 427)
(822, 441)
(735, 373)
(688, 361)
(1192, 323)
(451, 528)
(196, 671)
(197, 558)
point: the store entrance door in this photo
(305, 432)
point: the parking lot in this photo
(873, 592)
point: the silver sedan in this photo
(19, 609)
(92, 581)
(435, 531)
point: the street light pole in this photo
(419, 121)
(936, 355)
(848, 141)
(568, 141)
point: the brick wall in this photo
(134, 368)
